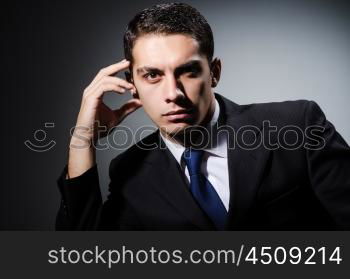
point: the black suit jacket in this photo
(285, 188)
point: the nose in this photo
(173, 90)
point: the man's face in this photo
(173, 81)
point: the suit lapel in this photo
(169, 182)
(245, 166)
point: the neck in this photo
(197, 135)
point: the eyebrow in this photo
(180, 69)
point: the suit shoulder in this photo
(285, 112)
(297, 106)
(137, 153)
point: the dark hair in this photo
(170, 18)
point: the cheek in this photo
(144, 92)
(197, 89)
(150, 102)
(148, 98)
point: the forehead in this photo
(164, 50)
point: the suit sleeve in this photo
(82, 207)
(81, 201)
(328, 165)
(117, 212)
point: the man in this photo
(212, 164)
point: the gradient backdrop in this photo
(271, 51)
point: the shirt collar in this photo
(219, 150)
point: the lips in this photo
(179, 111)
(176, 115)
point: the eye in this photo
(192, 72)
(152, 77)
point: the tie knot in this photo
(193, 159)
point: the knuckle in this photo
(102, 71)
(105, 87)
(86, 98)
(104, 80)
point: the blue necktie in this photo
(202, 189)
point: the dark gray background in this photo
(271, 51)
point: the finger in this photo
(112, 69)
(118, 82)
(133, 90)
(103, 88)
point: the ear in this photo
(128, 77)
(215, 71)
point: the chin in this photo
(175, 128)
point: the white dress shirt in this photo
(214, 164)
